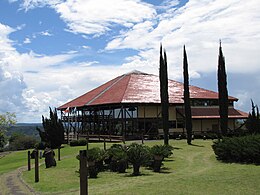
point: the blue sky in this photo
(54, 51)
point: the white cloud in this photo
(199, 25)
(25, 82)
(96, 16)
(27, 40)
(46, 33)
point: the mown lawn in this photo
(191, 170)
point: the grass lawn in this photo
(191, 170)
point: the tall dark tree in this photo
(164, 95)
(53, 133)
(188, 120)
(222, 93)
(253, 121)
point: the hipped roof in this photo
(137, 87)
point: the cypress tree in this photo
(253, 121)
(53, 133)
(222, 93)
(188, 119)
(164, 95)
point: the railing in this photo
(96, 137)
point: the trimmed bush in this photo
(244, 149)
(80, 142)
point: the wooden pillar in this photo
(105, 143)
(29, 160)
(83, 172)
(59, 153)
(36, 176)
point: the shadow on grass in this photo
(165, 170)
(141, 174)
(176, 148)
(196, 145)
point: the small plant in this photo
(118, 158)
(159, 152)
(95, 160)
(138, 155)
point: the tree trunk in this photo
(136, 168)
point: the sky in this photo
(52, 51)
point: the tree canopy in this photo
(6, 120)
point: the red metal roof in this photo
(137, 87)
(213, 112)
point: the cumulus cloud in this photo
(199, 25)
(96, 16)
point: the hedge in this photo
(245, 149)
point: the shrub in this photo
(244, 149)
(118, 158)
(80, 142)
(138, 155)
(95, 159)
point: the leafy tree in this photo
(164, 95)
(6, 121)
(253, 121)
(53, 133)
(223, 93)
(188, 119)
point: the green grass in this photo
(191, 170)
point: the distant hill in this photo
(25, 128)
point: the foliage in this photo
(95, 154)
(6, 121)
(118, 158)
(222, 93)
(188, 120)
(53, 132)
(245, 149)
(164, 95)
(80, 142)
(253, 121)
(19, 141)
(162, 150)
(138, 155)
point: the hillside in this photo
(25, 128)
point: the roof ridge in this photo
(106, 89)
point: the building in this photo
(129, 106)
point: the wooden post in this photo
(105, 143)
(36, 166)
(83, 172)
(29, 160)
(142, 138)
(58, 153)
